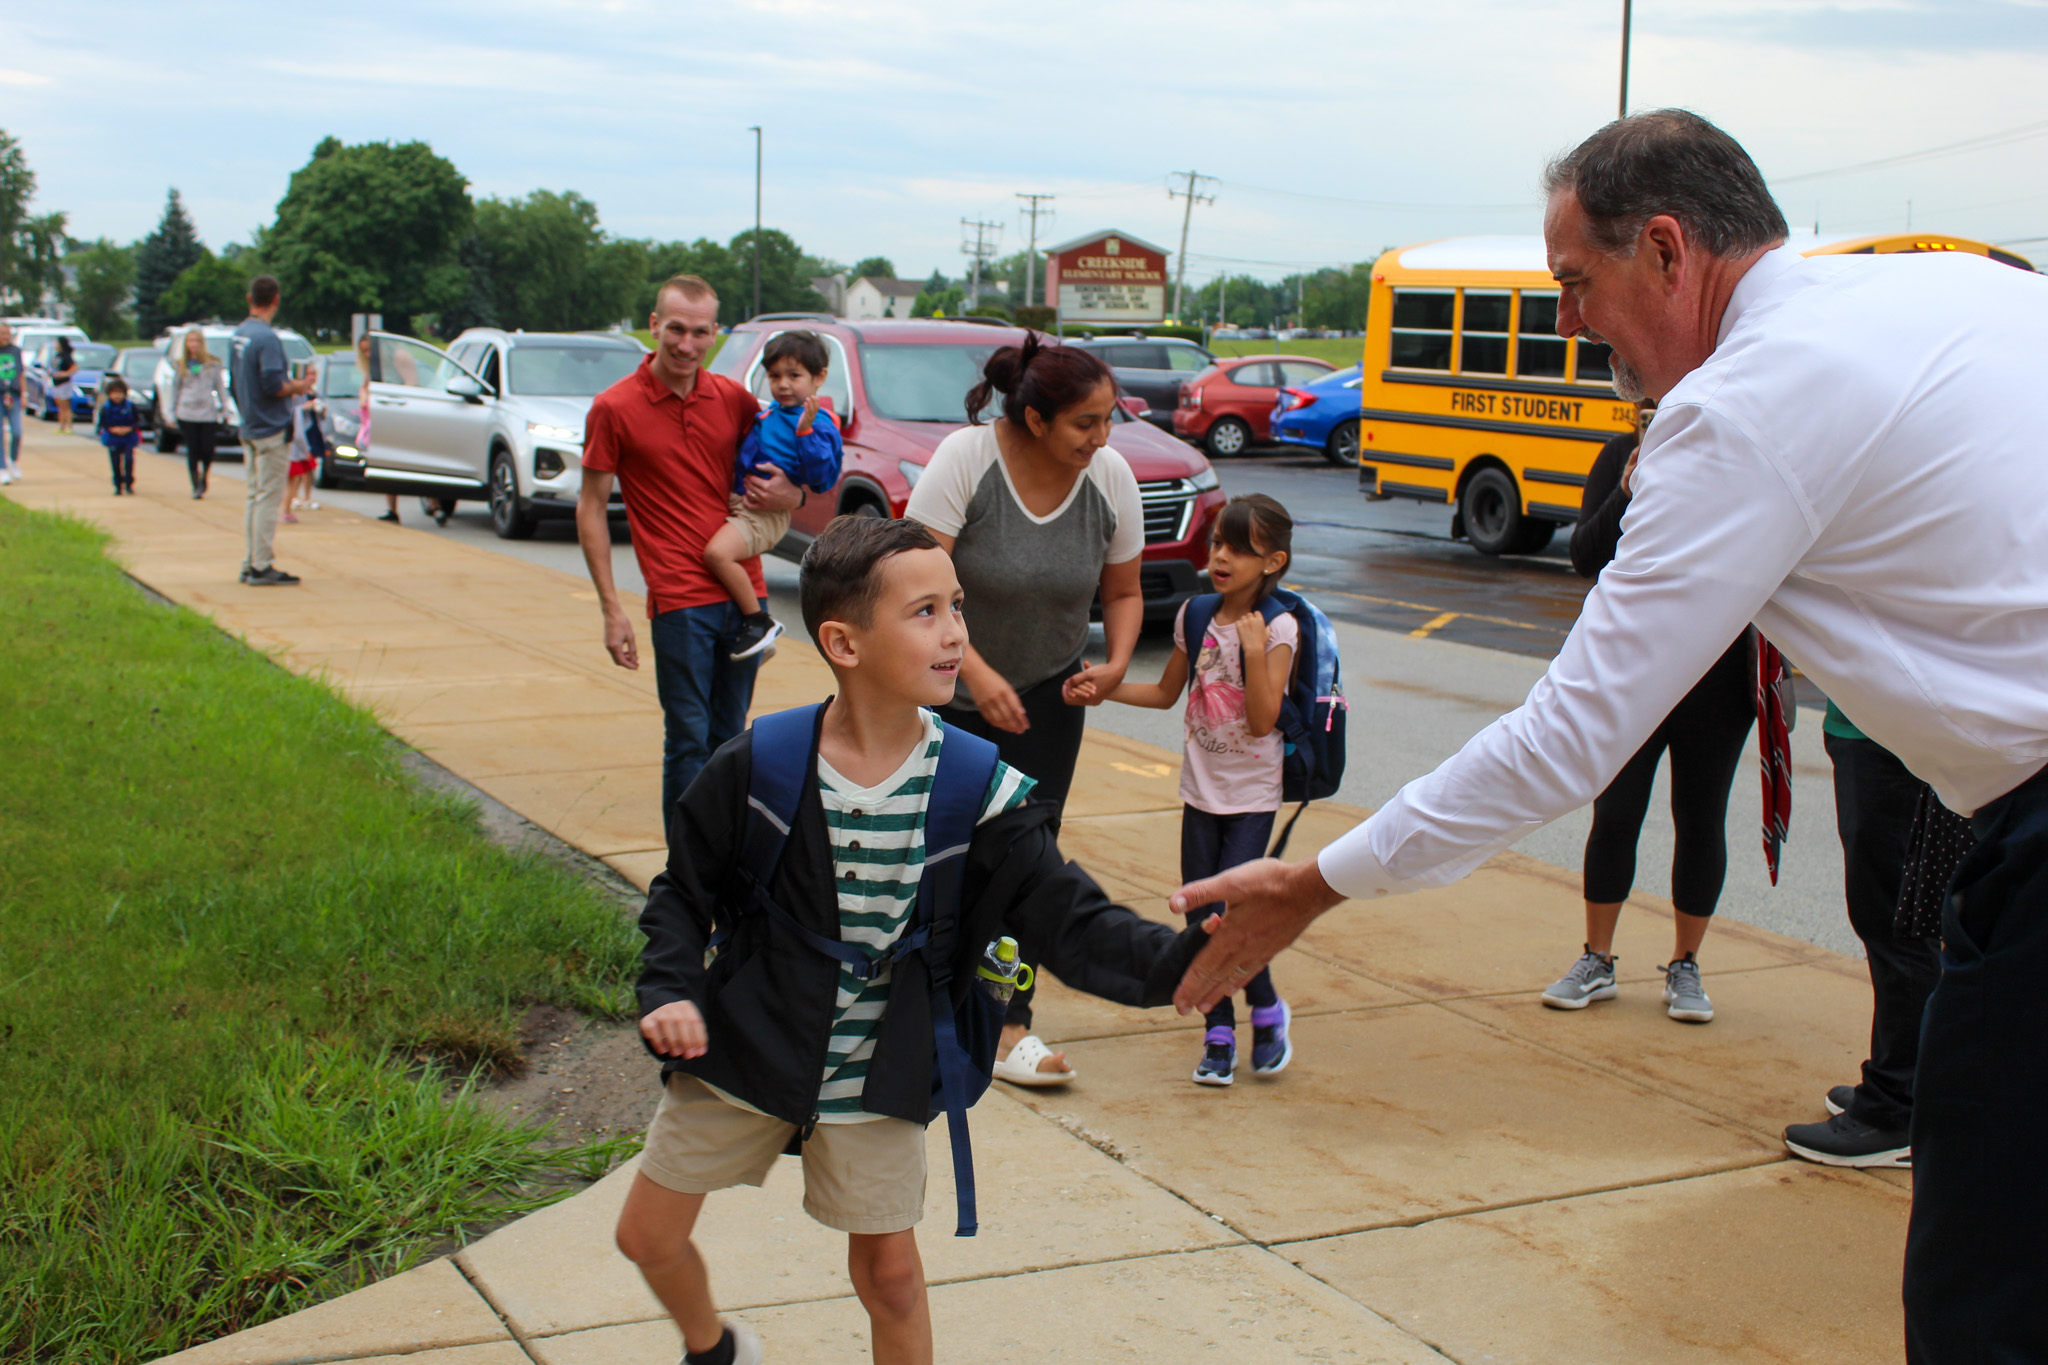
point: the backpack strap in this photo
(967, 764)
(781, 746)
(1200, 611)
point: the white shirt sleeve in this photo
(1715, 526)
(950, 477)
(1114, 477)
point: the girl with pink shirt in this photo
(1230, 772)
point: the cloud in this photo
(1896, 27)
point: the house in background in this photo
(833, 289)
(877, 298)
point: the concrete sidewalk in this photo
(1448, 1171)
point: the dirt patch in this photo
(591, 1077)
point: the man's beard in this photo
(1628, 385)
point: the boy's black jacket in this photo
(767, 998)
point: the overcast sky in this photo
(888, 121)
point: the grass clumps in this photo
(245, 969)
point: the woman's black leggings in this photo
(1046, 753)
(1705, 733)
(199, 438)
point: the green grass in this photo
(245, 964)
(1339, 351)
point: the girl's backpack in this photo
(1312, 711)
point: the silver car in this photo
(220, 344)
(498, 416)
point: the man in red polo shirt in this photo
(670, 433)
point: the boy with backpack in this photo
(813, 976)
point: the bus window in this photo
(1483, 348)
(1593, 367)
(1422, 329)
(1539, 350)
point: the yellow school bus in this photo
(1469, 397)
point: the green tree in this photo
(211, 289)
(938, 303)
(373, 227)
(785, 284)
(31, 247)
(1337, 298)
(547, 264)
(102, 275)
(159, 259)
(937, 284)
(873, 268)
(704, 258)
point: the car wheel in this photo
(1491, 509)
(511, 518)
(1342, 447)
(1227, 438)
(166, 438)
(864, 509)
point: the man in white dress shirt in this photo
(1851, 452)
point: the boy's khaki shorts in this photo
(858, 1177)
(763, 531)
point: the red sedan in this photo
(1229, 406)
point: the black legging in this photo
(199, 437)
(1046, 753)
(1705, 733)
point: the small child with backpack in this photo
(1263, 705)
(827, 958)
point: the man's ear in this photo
(1664, 238)
(836, 643)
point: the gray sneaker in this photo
(1684, 993)
(1591, 978)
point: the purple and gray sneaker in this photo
(1272, 1049)
(1219, 1057)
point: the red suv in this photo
(899, 387)
(1229, 406)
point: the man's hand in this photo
(676, 1030)
(1092, 685)
(773, 492)
(1628, 471)
(809, 415)
(618, 640)
(1267, 904)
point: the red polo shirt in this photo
(674, 460)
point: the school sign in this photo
(1106, 277)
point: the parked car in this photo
(39, 393)
(137, 365)
(31, 333)
(220, 344)
(1151, 368)
(338, 383)
(1322, 414)
(497, 418)
(898, 389)
(1229, 406)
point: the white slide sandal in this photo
(1021, 1066)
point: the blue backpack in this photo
(964, 1040)
(1313, 710)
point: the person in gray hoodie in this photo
(199, 403)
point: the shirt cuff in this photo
(1353, 870)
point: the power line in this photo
(982, 249)
(1031, 251)
(1180, 262)
(1983, 142)
(1523, 207)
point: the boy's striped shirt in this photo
(877, 860)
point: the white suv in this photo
(220, 344)
(497, 416)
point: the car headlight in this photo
(548, 433)
(1205, 480)
(910, 470)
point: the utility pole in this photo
(756, 131)
(1031, 251)
(1626, 6)
(983, 248)
(1180, 262)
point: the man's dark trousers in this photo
(1874, 802)
(1977, 1248)
(704, 694)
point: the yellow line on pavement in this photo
(1436, 623)
(1423, 606)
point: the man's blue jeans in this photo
(704, 694)
(10, 428)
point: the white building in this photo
(878, 298)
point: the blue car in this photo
(39, 394)
(1323, 414)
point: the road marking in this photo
(1437, 623)
(1146, 770)
(1423, 606)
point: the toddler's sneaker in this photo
(739, 1346)
(1272, 1048)
(757, 632)
(1684, 993)
(1591, 978)
(1219, 1057)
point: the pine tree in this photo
(159, 259)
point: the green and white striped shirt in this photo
(877, 861)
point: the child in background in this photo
(1230, 774)
(298, 488)
(796, 436)
(119, 432)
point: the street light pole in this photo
(1626, 6)
(756, 131)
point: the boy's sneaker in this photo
(739, 1346)
(272, 577)
(1839, 1098)
(757, 632)
(1591, 978)
(1684, 993)
(1846, 1141)
(1219, 1058)
(1272, 1048)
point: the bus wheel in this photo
(1491, 509)
(1342, 447)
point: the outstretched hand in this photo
(1267, 904)
(676, 1030)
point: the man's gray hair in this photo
(1668, 161)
